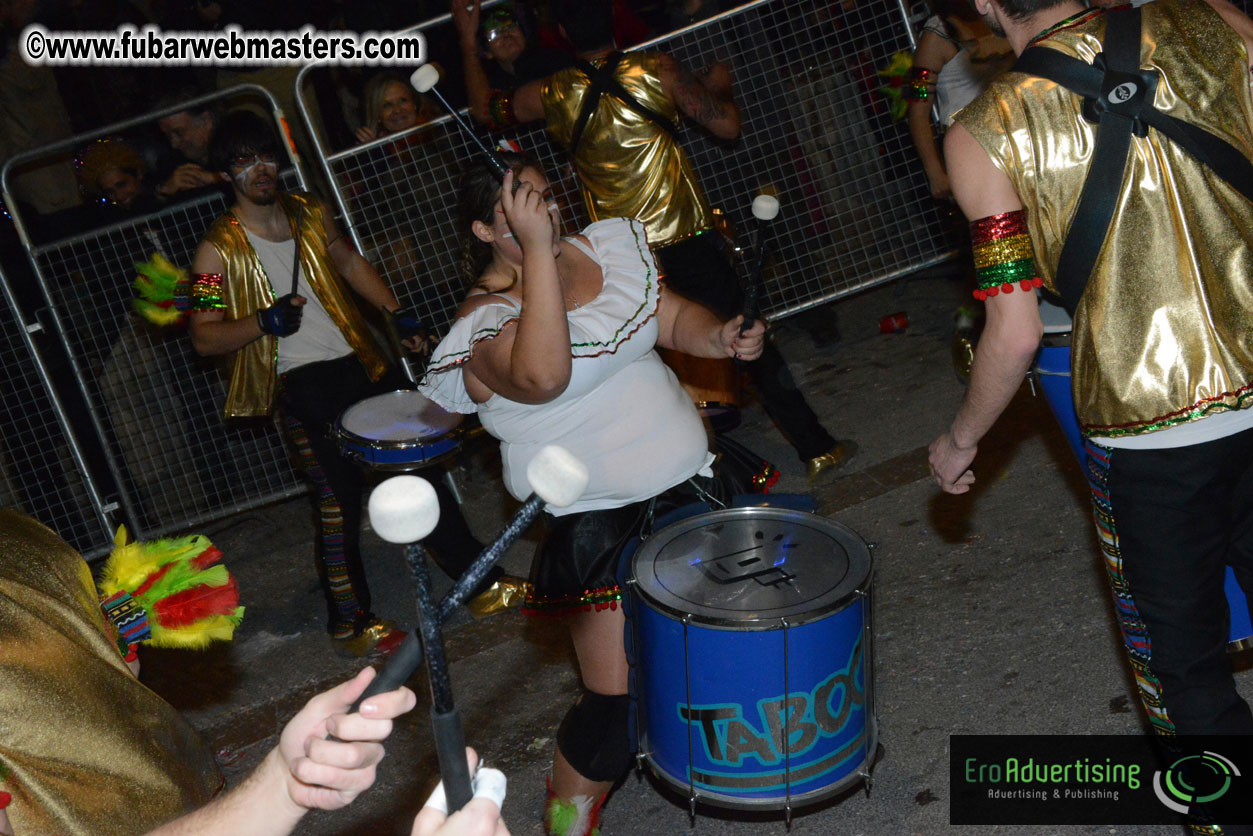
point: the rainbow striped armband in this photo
(1003, 254)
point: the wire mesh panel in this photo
(817, 133)
(159, 405)
(151, 428)
(38, 470)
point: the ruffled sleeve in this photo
(444, 382)
(628, 299)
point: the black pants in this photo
(1170, 521)
(698, 268)
(311, 398)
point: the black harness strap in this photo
(602, 82)
(1118, 96)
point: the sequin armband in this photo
(919, 85)
(1003, 254)
(205, 293)
(500, 110)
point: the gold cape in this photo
(1162, 334)
(89, 750)
(628, 166)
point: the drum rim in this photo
(347, 436)
(860, 592)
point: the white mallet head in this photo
(556, 476)
(424, 78)
(404, 509)
(765, 207)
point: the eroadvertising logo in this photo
(1104, 779)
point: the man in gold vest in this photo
(309, 353)
(631, 165)
(1162, 344)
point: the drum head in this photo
(403, 415)
(746, 568)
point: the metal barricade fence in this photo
(154, 406)
(41, 468)
(817, 131)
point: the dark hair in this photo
(239, 133)
(477, 192)
(183, 94)
(1026, 9)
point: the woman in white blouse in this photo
(554, 344)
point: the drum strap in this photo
(1118, 96)
(603, 82)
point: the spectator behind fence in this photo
(189, 133)
(113, 171)
(392, 106)
(514, 58)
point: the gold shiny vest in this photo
(246, 289)
(628, 166)
(1164, 332)
(87, 749)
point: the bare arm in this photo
(211, 332)
(528, 362)
(306, 771)
(705, 98)
(527, 106)
(359, 273)
(690, 327)
(933, 53)
(1011, 335)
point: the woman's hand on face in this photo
(746, 346)
(367, 134)
(527, 214)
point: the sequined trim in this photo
(1136, 640)
(682, 238)
(919, 85)
(1003, 255)
(604, 598)
(1243, 397)
(205, 293)
(500, 110)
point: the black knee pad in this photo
(593, 736)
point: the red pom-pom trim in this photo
(980, 295)
(992, 291)
(1007, 288)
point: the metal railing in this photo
(816, 129)
(152, 428)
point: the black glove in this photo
(282, 319)
(408, 325)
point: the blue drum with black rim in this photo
(398, 431)
(752, 635)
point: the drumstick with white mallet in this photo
(424, 79)
(765, 210)
(404, 510)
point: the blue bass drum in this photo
(752, 630)
(397, 432)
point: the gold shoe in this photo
(831, 461)
(378, 638)
(507, 592)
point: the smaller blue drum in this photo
(398, 431)
(753, 643)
